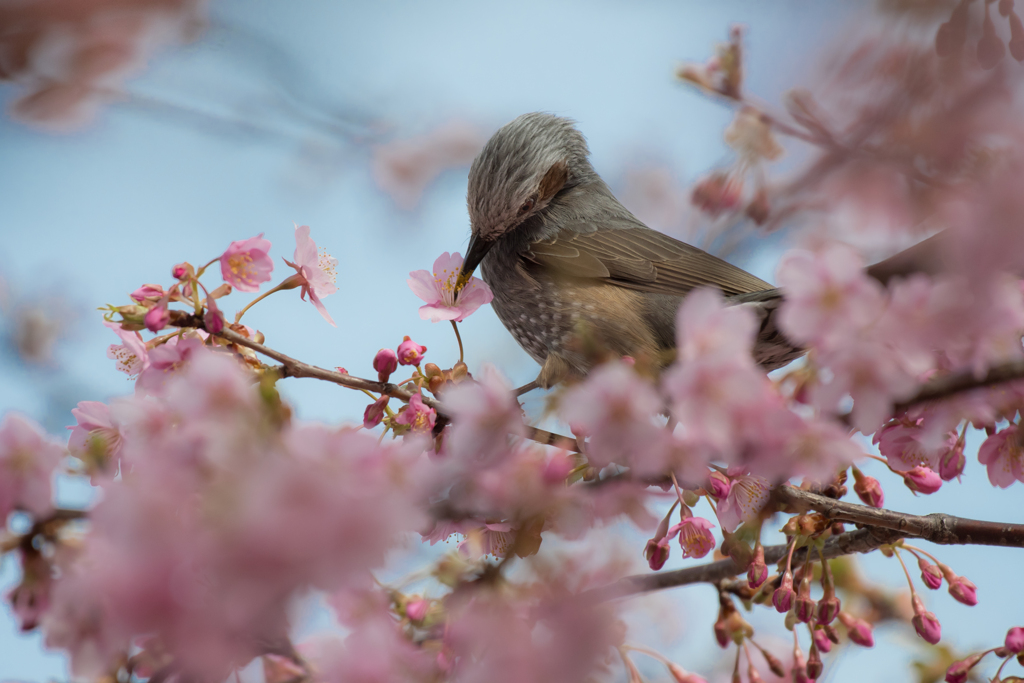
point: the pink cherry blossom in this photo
(28, 458)
(315, 270)
(410, 353)
(747, 497)
(417, 415)
(614, 408)
(695, 537)
(708, 329)
(904, 445)
(827, 293)
(247, 263)
(437, 288)
(1004, 457)
(131, 356)
(96, 434)
(485, 414)
(165, 360)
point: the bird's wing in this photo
(637, 257)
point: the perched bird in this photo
(572, 269)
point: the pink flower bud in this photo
(374, 412)
(717, 193)
(828, 609)
(410, 353)
(182, 270)
(858, 630)
(719, 485)
(952, 462)
(814, 665)
(822, 641)
(157, 318)
(958, 671)
(417, 609)
(385, 362)
(868, 489)
(657, 553)
(922, 479)
(783, 596)
(930, 574)
(757, 572)
(681, 675)
(557, 468)
(213, 319)
(1015, 640)
(799, 667)
(964, 590)
(805, 608)
(925, 623)
(144, 292)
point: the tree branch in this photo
(859, 541)
(291, 367)
(950, 385)
(936, 527)
(882, 527)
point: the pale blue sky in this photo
(88, 217)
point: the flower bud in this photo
(681, 675)
(830, 632)
(821, 640)
(182, 271)
(964, 590)
(157, 318)
(868, 489)
(385, 362)
(922, 480)
(417, 609)
(657, 553)
(799, 667)
(213, 319)
(952, 462)
(930, 573)
(774, 663)
(147, 292)
(374, 412)
(410, 353)
(783, 596)
(858, 630)
(757, 572)
(814, 665)
(828, 608)
(805, 608)
(925, 623)
(959, 670)
(1015, 640)
(717, 193)
(719, 485)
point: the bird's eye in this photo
(527, 205)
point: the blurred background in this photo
(360, 120)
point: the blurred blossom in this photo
(404, 168)
(28, 459)
(69, 56)
(131, 356)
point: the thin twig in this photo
(455, 326)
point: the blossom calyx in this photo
(757, 572)
(783, 596)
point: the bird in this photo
(571, 269)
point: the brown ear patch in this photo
(554, 180)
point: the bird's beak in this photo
(478, 248)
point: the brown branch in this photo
(291, 367)
(950, 385)
(859, 541)
(936, 527)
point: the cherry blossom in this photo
(614, 408)
(1003, 455)
(438, 289)
(417, 415)
(246, 263)
(164, 360)
(747, 497)
(410, 353)
(485, 415)
(131, 356)
(96, 436)
(315, 271)
(28, 459)
(695, 537)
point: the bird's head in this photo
(517, 175)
